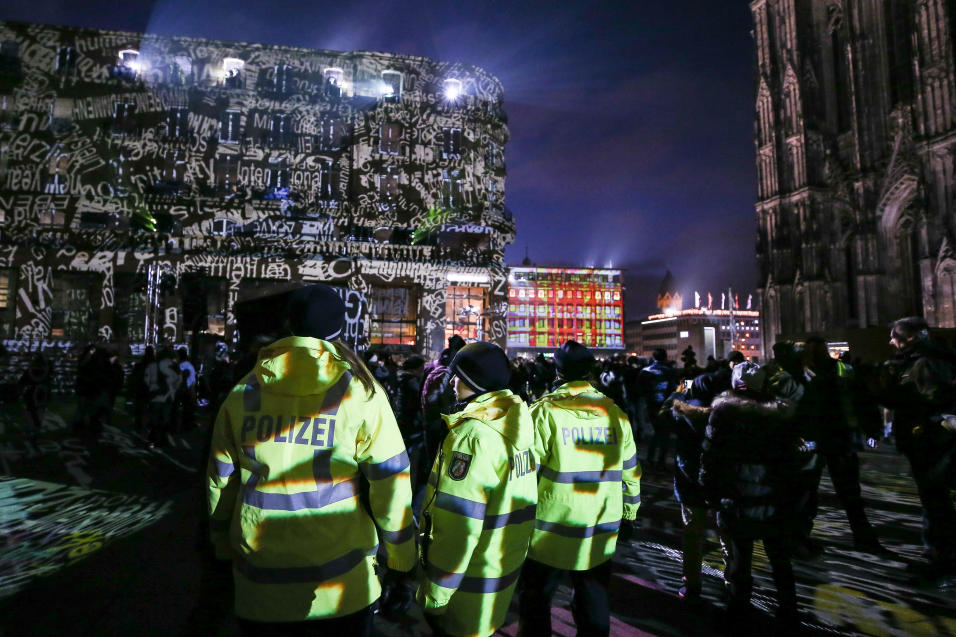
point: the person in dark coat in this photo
(753, 475)
(137, 388)
(34, 390)
(835, 412)
(919, 385)
(438, 397)
(658, 381)
(691, 408)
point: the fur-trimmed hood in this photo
(747, 409)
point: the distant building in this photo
(148, 182)
(707, 331)
(668, 298)
(549, 306)
(855, 123)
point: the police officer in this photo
(294, 446)
(480, 502)
(586, 451)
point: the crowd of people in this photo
(339, 481)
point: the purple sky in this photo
(631, 121)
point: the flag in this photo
(723, 299)
(736, 301)
(750, 300)
(696, 299)
(710, 301)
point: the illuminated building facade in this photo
(147, 183)
(707, 331)
(855, 151)
(549, 306)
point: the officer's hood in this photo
(299, 366)
(502, 411)
(580, 400)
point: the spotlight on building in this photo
(452, 89)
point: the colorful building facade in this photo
(549, 306)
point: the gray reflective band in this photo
(302, 574)
(517, 516)
(461, 506)
(397, 537)
(442, 577)
(489, 584)
(632, 499)
(468, 379)
(323, 495)
(224, 469)
(577, 531)
(631, 462)
(570, 477)
(386, 468)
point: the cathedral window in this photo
(66, 61)
(123, 113)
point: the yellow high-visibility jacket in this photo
(586, 449)
(293, 447)
(480, 507)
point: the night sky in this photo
(631, 121)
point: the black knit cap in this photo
(482, 366)
(316, 311)
(574, 361)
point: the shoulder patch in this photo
(459, 465)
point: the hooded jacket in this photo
(294, 446)
(586, 451)
(479, 512)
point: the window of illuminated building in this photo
(388, 184)
(390, 138)
(393, 316)
(229, 127)
(392, 89)
(451, 189)
(7, 302)
(74, 315)
(123, 118)
(464, 306)
(177, 122)
(451, 143)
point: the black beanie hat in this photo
(316, 311)
(456, 342)
(484, 367)
(573, 360)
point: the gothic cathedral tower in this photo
(855, 140)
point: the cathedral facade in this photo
(149, 183)
(855, 140)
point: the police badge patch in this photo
(458, 469)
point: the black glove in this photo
(627, 531)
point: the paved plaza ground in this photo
(104, 536)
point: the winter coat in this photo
(835, 411)
(307, 471)
(752, 470)
(479, 512)
(657, 381)
(920, 386)
(588, 479)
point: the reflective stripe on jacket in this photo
(293, 446)
(587, 451)
(481, 505)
